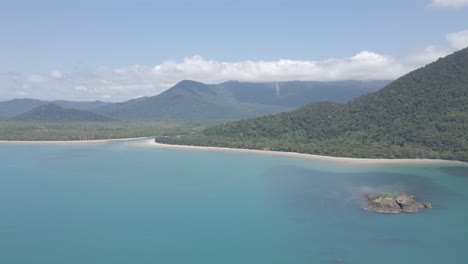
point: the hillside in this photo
(80, 105)
(194, 101)
(295, 94)
(187, 101)
(423, 114)
(18, 106)
(55, 113)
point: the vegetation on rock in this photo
(400, 203)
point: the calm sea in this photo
(114, 203)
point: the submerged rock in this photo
(400, 203)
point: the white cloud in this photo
(118, 84)
(458, 40)
(138, 80)
(36, 78)
(81, 88)
(21, 93)
(427, 55)
(363, 66)
(56, 74)
(449, 3)
(455, 41)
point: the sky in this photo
(122, 49)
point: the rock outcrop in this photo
(388, 204)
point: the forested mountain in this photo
(299, 93)
(423, 114)
(188, 101)
(195, 101)
(55, 113)
(17, 106)
(80, 105)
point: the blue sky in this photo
(74, 49)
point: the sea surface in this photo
(116, 203)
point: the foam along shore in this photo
(152, 144)
(92, 141)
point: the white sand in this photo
(152, 143)
(149, 142)
(97, 141)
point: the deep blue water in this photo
(115, 203)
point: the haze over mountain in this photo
(423, 114)
(54, 113)
(17, 106)
(191, 101)
(195, 101)
(299, 93)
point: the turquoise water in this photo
(115, 203)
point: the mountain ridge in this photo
(195, 101)
(53, 113)
(15, 107)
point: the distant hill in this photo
(195, 101)
(191, 101)
(295, 94)
(423, 114)
(17, 106)
(54, 113)
(80, 105)
(187, 101)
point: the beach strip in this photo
(93, 141)
(150, 143)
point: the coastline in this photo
(150, 143)
(93, 141)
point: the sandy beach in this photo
(150, 143)
(96, 141)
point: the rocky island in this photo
(388, 204)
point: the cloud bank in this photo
(137, 80)
(118, 84)
(449, 3)
(458, 40)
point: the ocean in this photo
(117, 203)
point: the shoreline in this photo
(150, 143)
(52, 142)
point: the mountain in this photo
(423, 114)
(295, 94)
(198, 102)
(54, 113)
(80, 105)
(187, 101)
(195, 101)
(17, 106)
